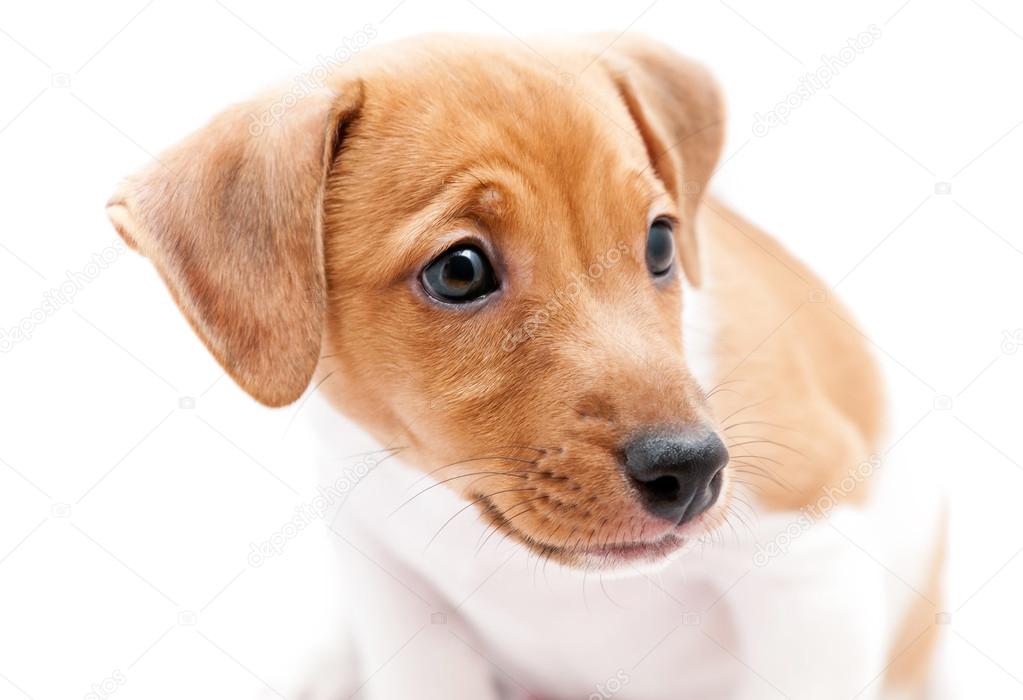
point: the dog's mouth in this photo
(559, 510)
(591, 552)
(632, 552)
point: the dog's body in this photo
(818, 618)
(568, 403)
(779, 606)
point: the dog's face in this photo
(486, 263)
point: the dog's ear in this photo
(679, 112)
(231, 218)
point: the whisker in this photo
(744, 408)
(763, 457)
(376, 463)
(565, 547)
(540, 450)
(752, 468)
(746, 503)
(507, 514)
(734, 510)
(600, 526)
(718, 390)
(517, 475)
(589, 540)
(738, 515)
(470, 505)
(757, 422)
(731, 527)
(767, 475)
(615, 538)
(742, 519)
(373, 452)
(302, 401)
(714, 389)
(747, 484)
(765, 442)
(475, 459)
(551, 535)
(506, 519)
(600, 579)
(495, 521)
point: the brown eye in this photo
(459, 275)
(660, 248)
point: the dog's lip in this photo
(651, 550)
(618, 553)
(630, 551)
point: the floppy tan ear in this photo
(679, 111)
(231, 218)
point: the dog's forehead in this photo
(466, 96)
(551, 158)
(459, 112)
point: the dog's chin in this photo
(636, 557)
(621, 559)
(659, 543)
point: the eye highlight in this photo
(459, 275)
(660, 247)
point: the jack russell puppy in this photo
(637, 449)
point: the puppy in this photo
(501, 261)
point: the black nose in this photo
(677, 475)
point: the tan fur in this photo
(232, 220)
(301, 247)
(797, 384)
(913, 652)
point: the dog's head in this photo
(482, 250)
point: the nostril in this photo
(677, 476)
(664, 488)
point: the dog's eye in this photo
(459, 275)
(660, 248)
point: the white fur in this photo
(814, 622)
(720, 621)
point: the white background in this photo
(126, 520)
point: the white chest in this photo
(794, 609)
